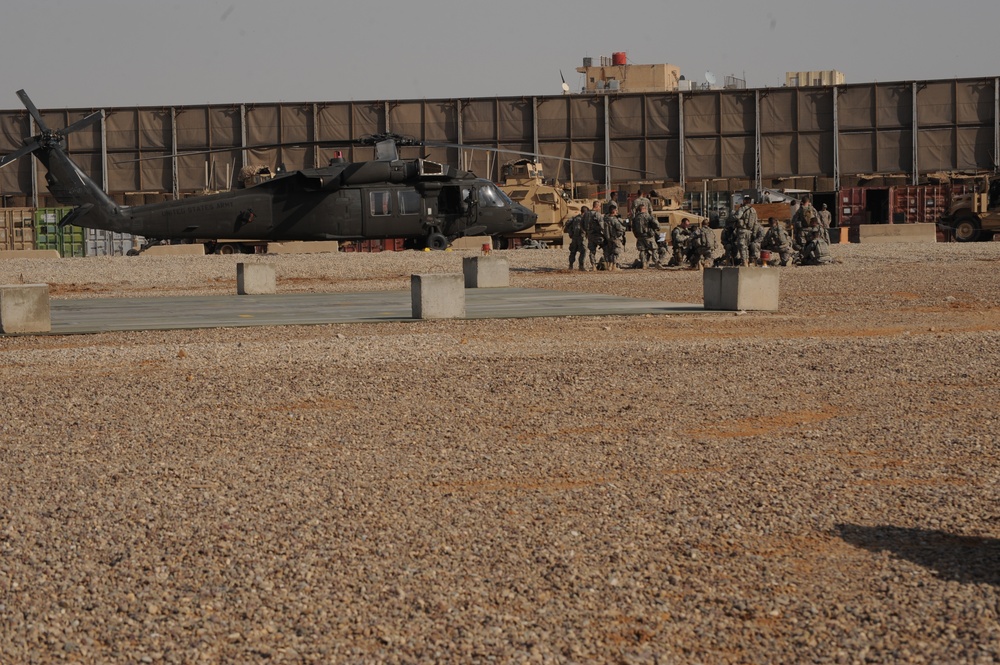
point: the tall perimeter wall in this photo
(761, 136)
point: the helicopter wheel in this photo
(228, 248)
(437, 241)
(499, 242)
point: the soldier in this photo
(577, 237)
(594, 227)
(817, 250)
(702, 245)
(614, 238)
(729, 252)
(776, 240)
(679, 239)
(641, 200)
(645, 229)
(746, 217)
(801, 223)
(756, 238)
(825, 219)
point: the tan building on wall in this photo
(829, 77)
(615, 74)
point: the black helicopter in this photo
(419, 200)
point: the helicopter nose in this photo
(522, 218)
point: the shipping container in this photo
(913, 204)
(17, 231)
(67, 240)
(851, 209)
(108, 243)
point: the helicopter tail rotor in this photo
(48, 138)
(65, 180)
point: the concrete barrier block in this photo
(886, 233)
(472, 242)
(734, 289)
(483, 272)
(194, 249)
(24, 308)
(29, 254)
(438, 296)
(253, 279)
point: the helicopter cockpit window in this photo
(409, 203)
(380, 203)
(491, 197)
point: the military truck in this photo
(668, 209)
(976, 215)
(524, 183)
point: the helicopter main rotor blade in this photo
(20, 152)
(338, 145)
(83, 122)
(32, 109)
(532, 154)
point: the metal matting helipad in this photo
(94, 315)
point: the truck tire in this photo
(967, 228)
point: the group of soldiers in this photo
(592, 230)
(744, 239)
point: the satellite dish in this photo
(565, 86)
(710, 78)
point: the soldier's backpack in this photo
(637, 229)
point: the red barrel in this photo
(618, 58)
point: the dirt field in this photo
(819, 484)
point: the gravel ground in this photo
(818, 484)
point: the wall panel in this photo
(334, 122)
(701, 114)
(514, 118)
(701, 157)
(122, 129)
(626, 118)
(407, 119)
(479, 120)
(662, 115)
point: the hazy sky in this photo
(106, 53)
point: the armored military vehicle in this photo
(524, 183)
(976, 215)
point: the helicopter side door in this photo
(392, 212)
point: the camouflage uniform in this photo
(816, 251)
(641, 200)
(594, 226)
(825, 219)
(756, 238)
(645, 229)
(662, 249)
(614, 234)
(746, 217)
(680, 237)
(801, 223)
(701, 246)
(776, 240)
(729, 253)
(577, 239)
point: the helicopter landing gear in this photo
(437, 241)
